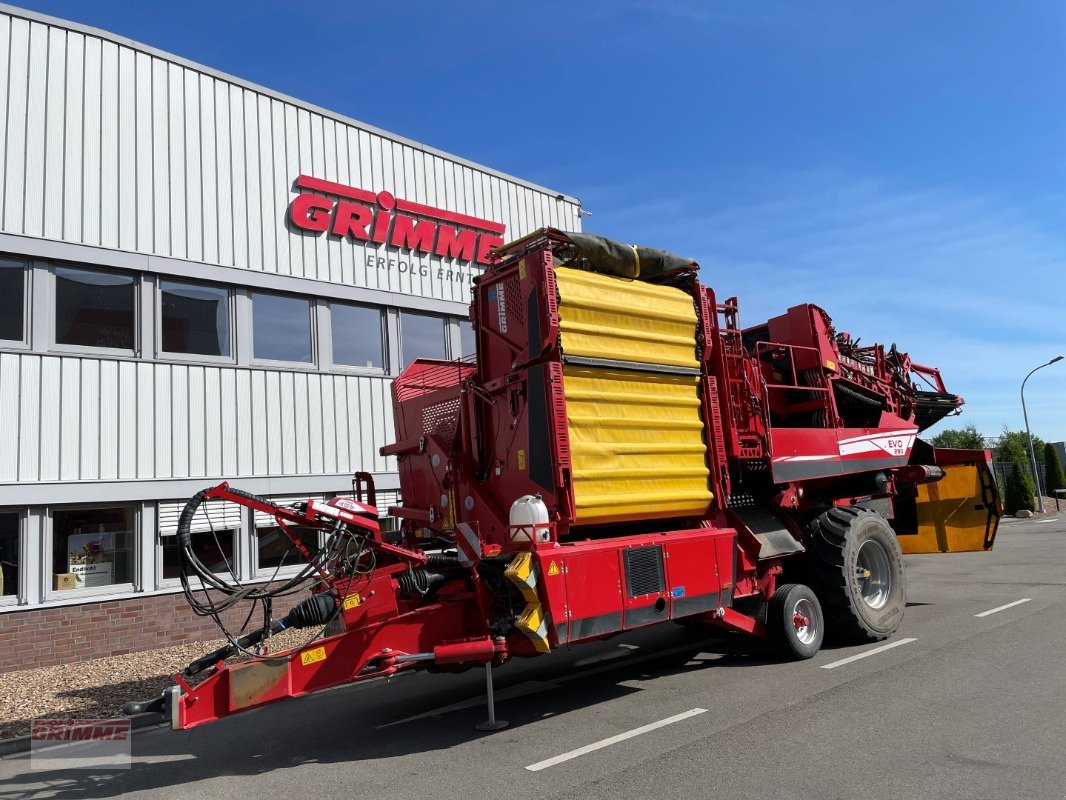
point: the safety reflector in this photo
(534, 625)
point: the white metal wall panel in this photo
(5, 47)
(17, 80)
(111, 146)
(122, 420)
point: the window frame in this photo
(383, 324)
(456, 342)
(51, 594)
(19, 597)
(312, 321)
(265, 574)
(196, 358)
(446, 333)
(58, 347)
(162, 582)
(27, 302)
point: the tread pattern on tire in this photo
(827, 536)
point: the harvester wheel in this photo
(855, 566)
(796, 621)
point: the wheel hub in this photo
(803, 621)
(873, 569)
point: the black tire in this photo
(795, 620)
(855, 566)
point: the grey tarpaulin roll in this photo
(597, 254)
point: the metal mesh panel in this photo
(644, 570)
(441, 419)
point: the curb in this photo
(21, 744)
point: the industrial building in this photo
(201, 279)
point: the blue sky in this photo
(901, 164)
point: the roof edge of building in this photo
(47, 19)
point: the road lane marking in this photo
(607, 664)
(1003, 608)
(875, 651)
(1037, 522)
(621, 737)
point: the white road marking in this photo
(875, 651)
(1039, 521)
(1003, 608)
(606, 664)
(621, 737)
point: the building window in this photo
(92, 547)
(194, 318)
(9, 554)
(281, 328)
(95, 309)
(358, 339)
(213, 548)
(422, 336)
(276, 550)
(12, 300)
(466, 337)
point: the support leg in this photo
(492, 724)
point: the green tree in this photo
(1053, 477)
(967, 438)
(1020, 494)
(1012, 441)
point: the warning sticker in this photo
(522, 459)
(309, 657)
(351, 601)
(553, 568)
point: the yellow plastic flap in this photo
(636, 443)
(952, 516)
(601, 316)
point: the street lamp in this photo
(1029, 436)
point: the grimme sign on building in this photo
(409, 227)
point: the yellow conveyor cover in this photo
(636, 437)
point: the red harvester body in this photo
(620, 453)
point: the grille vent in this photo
(644, 570)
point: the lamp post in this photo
(1029, 436)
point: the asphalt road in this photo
(970, 707)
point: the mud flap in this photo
(958, 513)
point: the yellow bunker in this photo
(637, 441)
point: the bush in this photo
(1020, 494)
(968, 438)
(1053, 477)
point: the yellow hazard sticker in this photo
(553, 568)
(830, 364)
(522, 269)
(309, 657)
(522, 459)
(351, 601)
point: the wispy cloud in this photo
(966, 282)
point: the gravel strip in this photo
(98, 689)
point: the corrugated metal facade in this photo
(116, 155)
(122, 420)
(108, 146)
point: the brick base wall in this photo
(47, 636)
